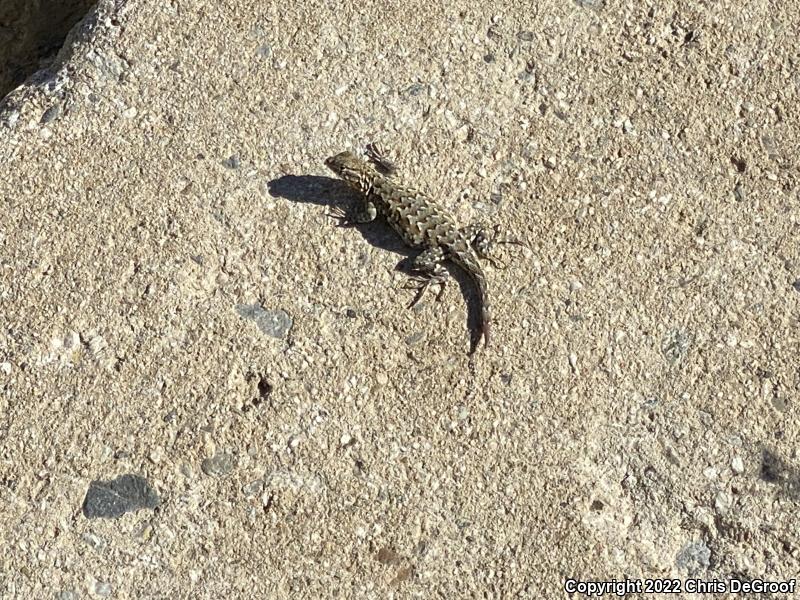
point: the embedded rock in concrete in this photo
(111, 499)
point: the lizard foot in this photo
(420, 285)
(340, 215)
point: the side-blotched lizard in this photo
(419, 221)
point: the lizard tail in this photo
(471, 266)
(486, 322)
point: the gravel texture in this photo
(176, 303)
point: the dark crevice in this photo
(31, 34)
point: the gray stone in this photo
(275, 323)
(51, 114)
(590, 3)
(675, 345)
(112, 499)
(415, 338)
(694, 558)
(253, 488)
(416, 89)
(218, 465)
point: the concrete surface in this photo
(176, 304)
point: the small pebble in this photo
(415, 338)
(253, 488)
(94, 541)
(72, 341)
(156, 455)
(103, 589)
(627, 126)
(97, 344)
(573, 362)
(722, 502)
(462, 133)
(51, 114)
(12, 118)
(146, 532)
(694, 557)
(737, 465)
(275, 323)
(218, 465)
(415, 89)
(675, 345)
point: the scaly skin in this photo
(419, 221)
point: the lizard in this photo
(420, 222)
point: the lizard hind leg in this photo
(428, 271)
(483, 239)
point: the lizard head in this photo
(349, 167)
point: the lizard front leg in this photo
(377, 157)
(365, 212)
(428, 265)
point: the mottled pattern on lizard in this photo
(419, 221)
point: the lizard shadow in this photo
(331, 192)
